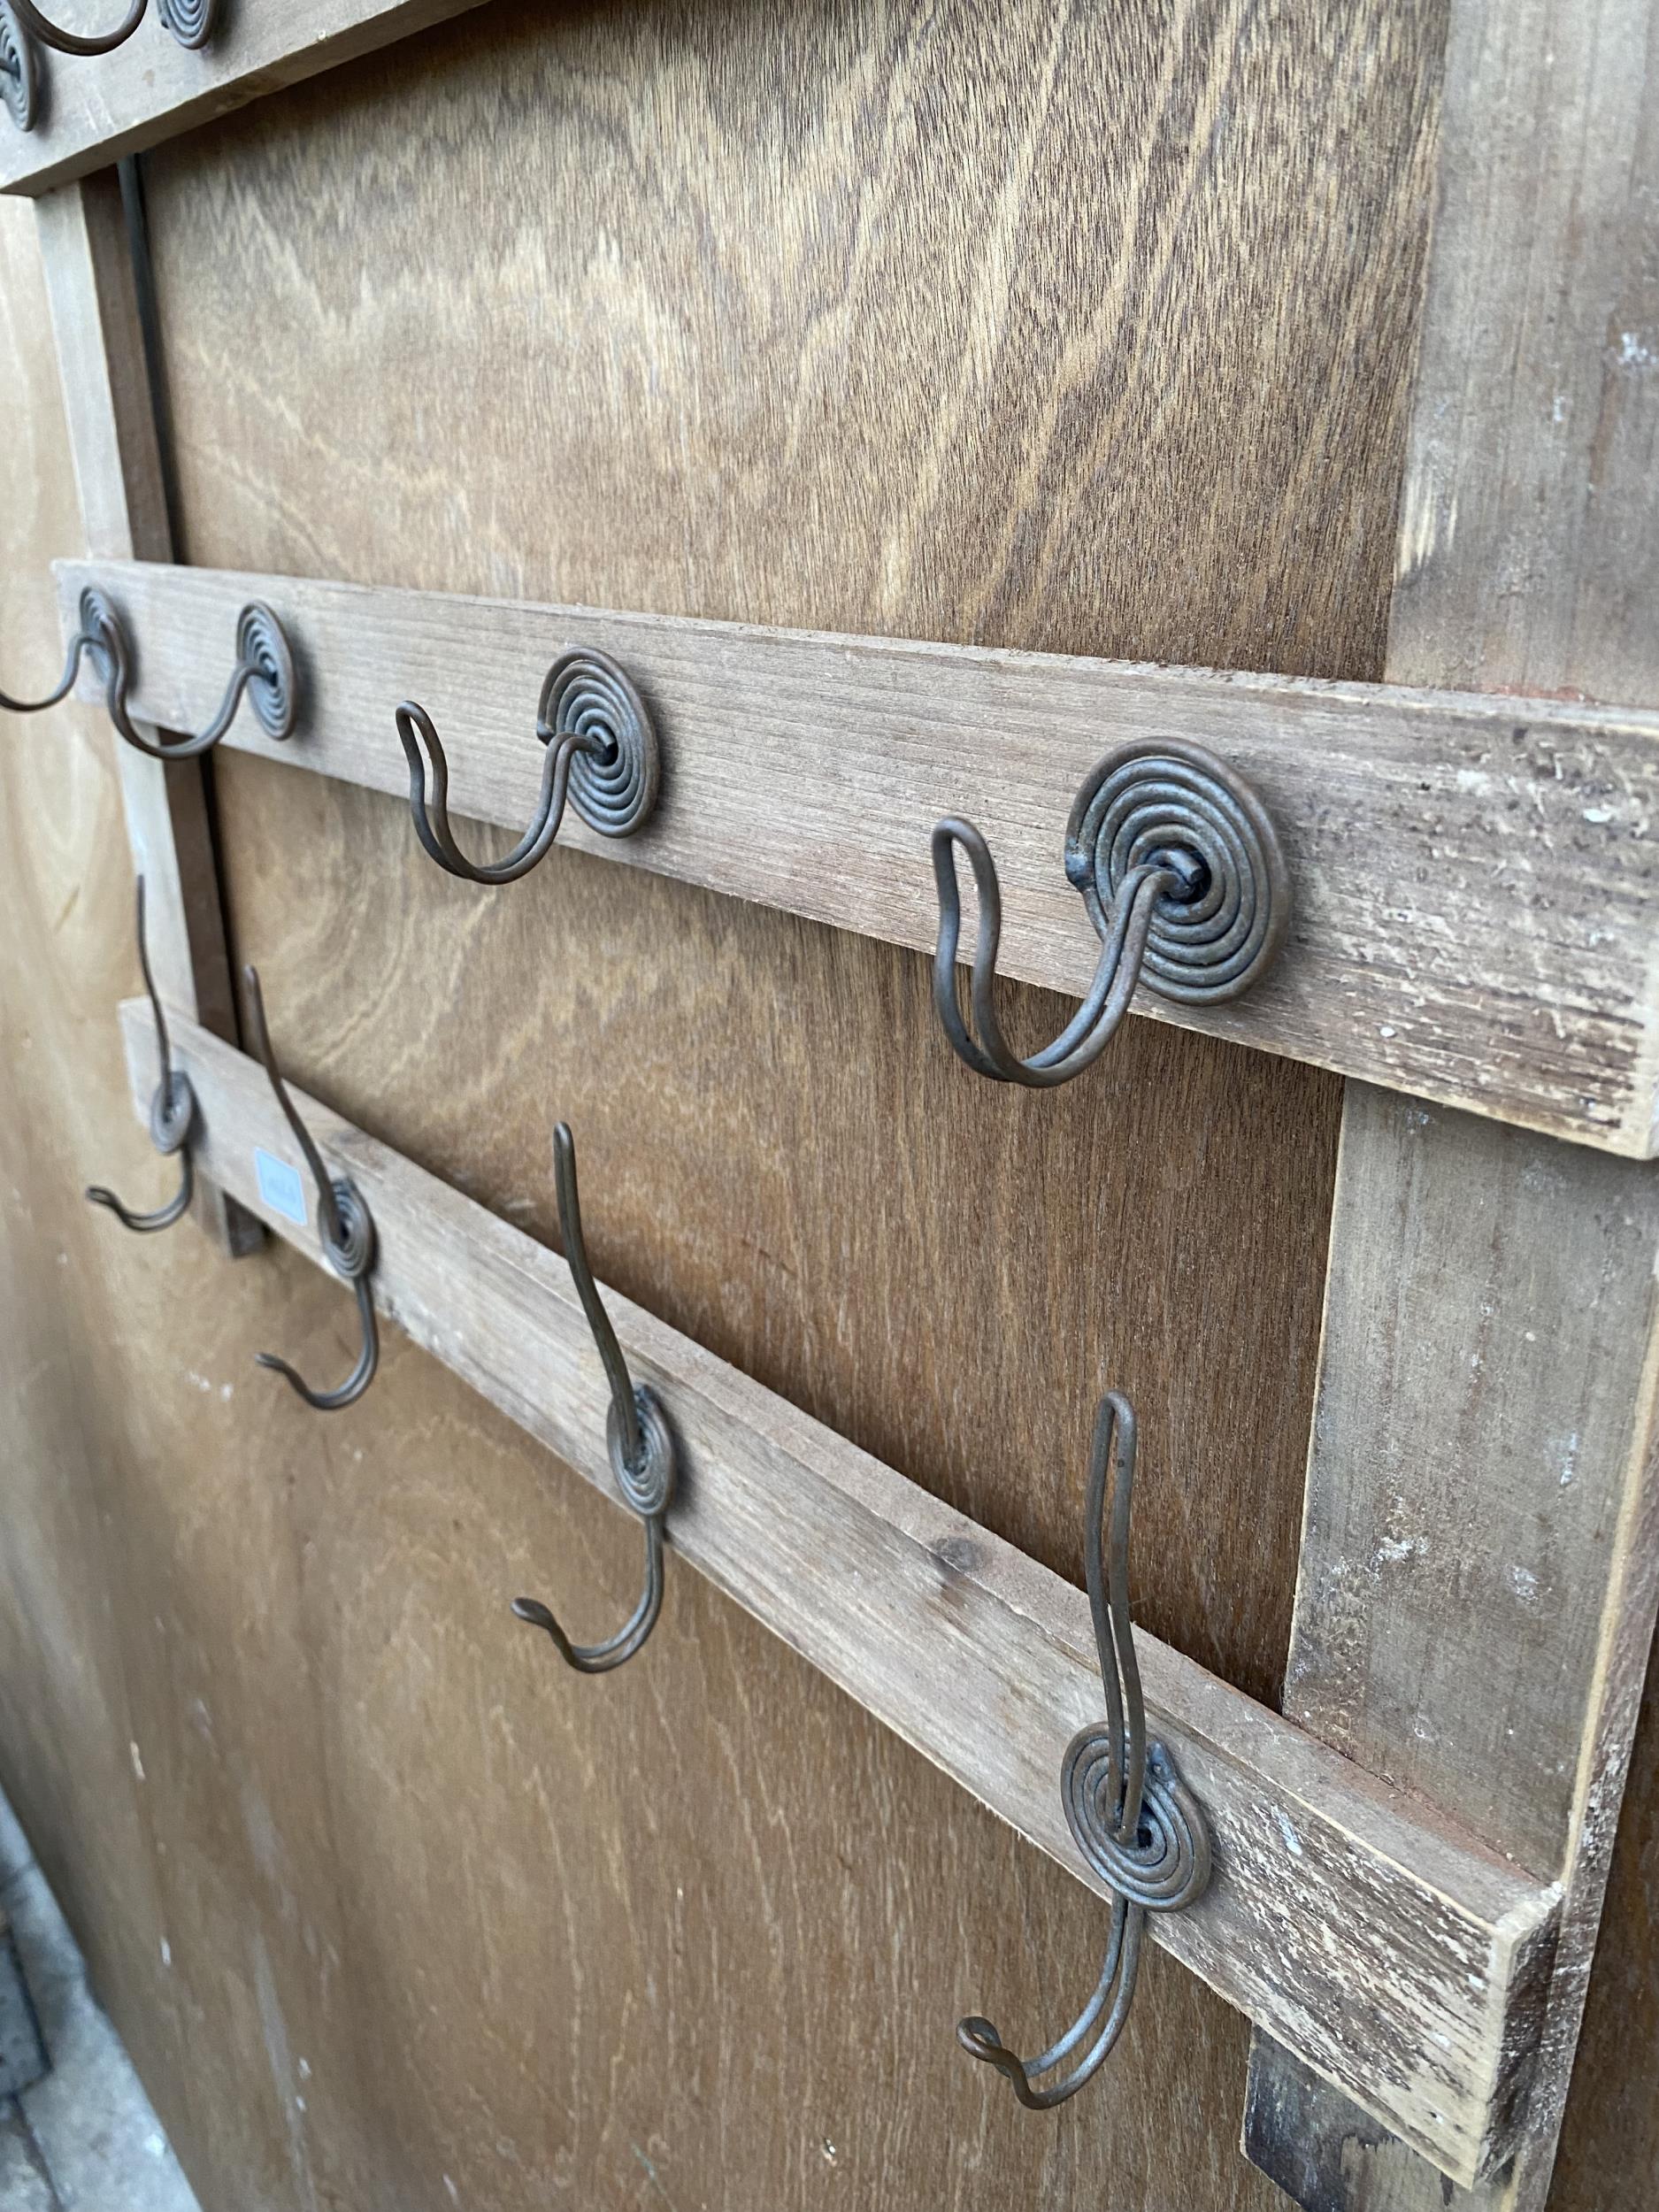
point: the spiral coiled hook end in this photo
(345, 1229)
(172, 1108)
(602, 754)
(616, 778)
(1180, 869)
(264, 652)
(1137, 1827)
(638, 1440)
(20, 78)
(192, 22)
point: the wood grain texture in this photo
(842, 316)
(1476, 887)
(1404, 1964)
(92, 111)
(1524, 527)
(66, 1720)
(1057, 327)
(112, 425)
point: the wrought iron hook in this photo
(1180, 869)
(100, 634)
(602, 753)
(1131, 1815)
(22, 26)
(345, 1228)
(263, 670)
(636, 1434)
(173, 1113)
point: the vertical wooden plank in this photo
(118, 470)
(1477, 1584)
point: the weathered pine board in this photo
(118, 471)
(1477, 884)
(1478, 1586)
(94, 111)
(1390, 1953)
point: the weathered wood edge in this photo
(1476, 880)
(1383, 1947)
(151, 88)
(1526, 558)
(87, 254)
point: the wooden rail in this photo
(1476, 880)
(150, 89)
(1393, 1955)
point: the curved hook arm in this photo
(73, 41)
(173, 1111)
(637, 1435)
(263, 670)
(1091, 1029)
(345, 1228)
(83, 642)
(1131, 1817)
(416, 729)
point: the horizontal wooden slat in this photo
(97, 109)
(1477, 881)
(1395, 1956)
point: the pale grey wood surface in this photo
(1395, 1954)
(96, 109)
(1477, 1584)
(1476, 882)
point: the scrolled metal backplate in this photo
(263, 647)
(614, 782)
(19, 80)
(649, 1486)
(172, 1112)
(1166, 1866)
(352, 1256)
(102, 627)
(1163, 796)
(192, 22)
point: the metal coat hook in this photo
(345, 1228)
(192, 23)
(263, 670)
(602, 753)
(1131, 1815)
(173, 1113)
(1180, 869)
(636, 1434)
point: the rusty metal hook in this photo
(173, 1113)
(23, 27)
(602, 753)
(263, 670)
(345, 1228)
(1137, 1824)
(637, 1436)
(1180, 869)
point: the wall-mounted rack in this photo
(1476, 880)
(1394, 1956)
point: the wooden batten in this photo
(1476, 883)
(1395, 1956)
(150, 89)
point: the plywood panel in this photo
(1069, 327)
(1029, 326)
(65, 1725)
